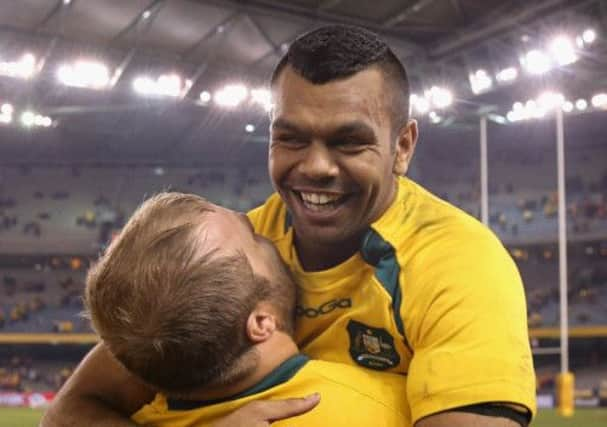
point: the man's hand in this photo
(263, 412)
(100, 393)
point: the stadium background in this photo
(106, 102)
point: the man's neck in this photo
(316, 257)
(270, 355)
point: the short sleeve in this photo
(465, 317)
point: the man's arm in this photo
(101, 392)
(461, 419)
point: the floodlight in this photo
(579, 41)
(7, 109)
(205, 96)
(536, 62)
(249, 128)
(581, 104)
(262, 97)
(164, 85)
(507, 75)
(434, 118)
(421, 104)
(440, 97)
(533, 110)
(146, 14)
(550, 100)
(563, 51)
(24, 68)
(169, 84)
(47, 122)
(567, 106)
(589, 36)
(599, 100)
(480, 81)
(231, 96)
(6, 118)
(84, 74)
(518, 106)
(28, 118)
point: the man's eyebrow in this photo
(356, 127)
(284, 124)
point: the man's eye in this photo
(350, 145)
(289, 139)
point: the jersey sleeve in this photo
(465, 317)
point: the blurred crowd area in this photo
(24, 374)
(38, 367)
(66, 215)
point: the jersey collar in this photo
(284, 372)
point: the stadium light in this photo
(23, 68)
(231, 96)
(262, 97)
(507, 75)
(420, 104)
(205, 96)
(579, 41)
(7, 109)
(567, 106)
(581, 104)
(84, 74)
(249, 128)
(30, 119)
(599, 100)
(589, 36)
(6, 113)
(146, 14)
(536, 62)
(480, 81)
(165, 85)
(550, 100)
(563, 51)
(434, 118)
(439, 97)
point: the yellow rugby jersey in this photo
(432, 294)
(350, 397)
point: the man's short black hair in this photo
(339, 51)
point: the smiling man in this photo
(391, 278)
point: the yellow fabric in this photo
(350, 397)
(463, 305)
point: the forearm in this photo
(99, 393)
(73, 411)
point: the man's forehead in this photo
(359, 97)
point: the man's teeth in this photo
(318, 198)
(319, 201)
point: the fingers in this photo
(273, 410)
(262, 412)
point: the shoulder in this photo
(270, 219)
(382, 388)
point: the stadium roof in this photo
(205, 44)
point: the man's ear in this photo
(261, 323)
(405, 147)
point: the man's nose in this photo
(318, 162)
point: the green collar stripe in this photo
(283, 373)
(379, 253)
